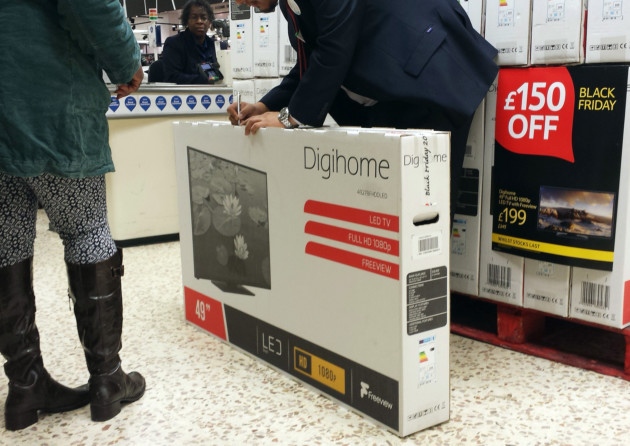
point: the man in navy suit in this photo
(378, 63)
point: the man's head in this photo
(262, 5)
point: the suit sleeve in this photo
(100, 28)
(338, 25)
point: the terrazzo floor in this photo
(201, 391)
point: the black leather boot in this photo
(96, 292)
(31, 389)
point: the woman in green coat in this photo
(54, 151)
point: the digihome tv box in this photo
(325, 254)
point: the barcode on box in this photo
(426, 244)
(499, 276)
(595, 295)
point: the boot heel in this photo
(104, 413)
(17, 421)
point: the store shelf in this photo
(580, 344)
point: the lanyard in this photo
(300, 43)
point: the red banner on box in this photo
(352, 215)
(204, 312)
(535, 111)
(355, 238)
(373, 265)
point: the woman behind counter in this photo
(182, 54)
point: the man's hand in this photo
(123, 90)
(247, 111)
(268, 119)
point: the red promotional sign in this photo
(535, 112)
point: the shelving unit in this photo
(598, 348)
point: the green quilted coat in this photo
(52, 97)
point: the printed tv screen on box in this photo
(559, 141)
(324, 253)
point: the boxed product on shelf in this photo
(560, 180)
(262, 86)
(500, 274)
(602, 297)
(287, 56)
(241, 41)
(557, 32)
(608, 31)
(476, 13)
(246, 88)
(508, 27)
(547, 287)
(465, 231)
(325, 254)
(266, 34)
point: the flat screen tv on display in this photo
(576, 213)
(230, 221)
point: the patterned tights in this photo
(77, 210)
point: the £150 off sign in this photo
(535, 112)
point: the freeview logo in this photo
(367, 393)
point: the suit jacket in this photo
(423, 51)
(181, 57)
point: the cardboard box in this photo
(547, 287)
(476, 13)
(241, 41)
(561, 179)
(309, 250)
(608, 31)
(508, 26)
(246, 88)
(500, 274)
(266, 35)
(465, 232)
(262, 86)
(557, 32)
(287, 56)
(558, 182)
(602, 297)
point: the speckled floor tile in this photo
(201, 391)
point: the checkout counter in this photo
(142, 193)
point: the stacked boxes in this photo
(508, 29)
(608, 31)
(287, 56)
(476, 13)
(261, 51)
(537, 32)
(500, 273)
(557, 32)
(324, 253)
(560, 183)
(546, 287)
(242, 41)
(266, 39)
(467, 219)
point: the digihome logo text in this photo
(367, 393)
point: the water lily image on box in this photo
(230, 223)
